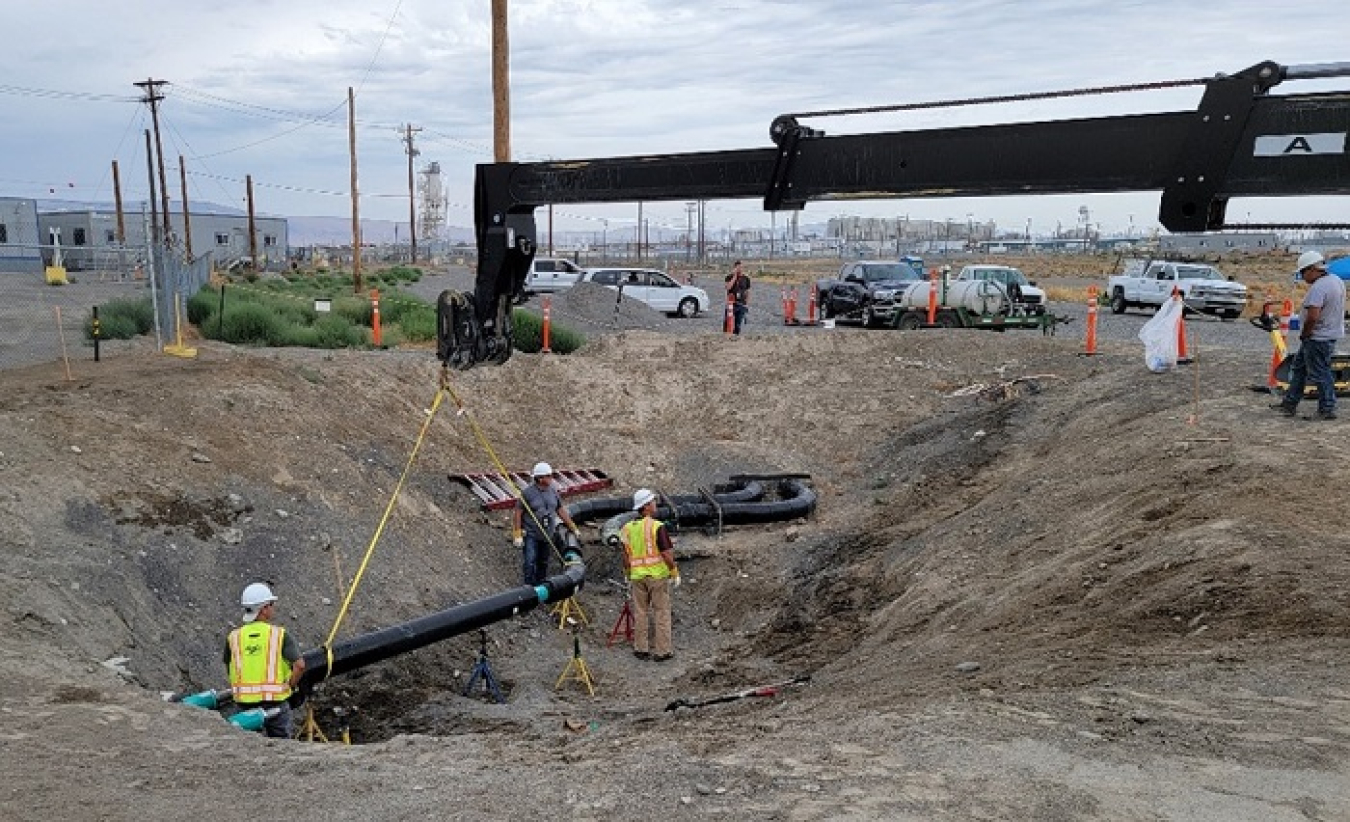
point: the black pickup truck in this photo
(865, 291)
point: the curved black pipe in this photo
(797, 499)
(409, 636)
(605, 507)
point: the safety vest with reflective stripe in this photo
(644, 558)
(258, 671)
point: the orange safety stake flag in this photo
(1092, 322)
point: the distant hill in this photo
(134, 207)
(338, 231)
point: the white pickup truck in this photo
(549, 275)
(1150, 283)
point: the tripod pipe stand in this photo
(482, 670)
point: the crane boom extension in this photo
(1240, 141)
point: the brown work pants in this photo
(651, 596)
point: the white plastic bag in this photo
(1160, 337)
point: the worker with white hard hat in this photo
(264, 660)
(538, 510)
(1322, 323)
(649, 562)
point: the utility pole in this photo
(252, 227)
(689, 209)
(639, 232)
(187, 220)
(412, 191)
(152, 97)
(356, 209)
(501, 84)
(154, 207)
(117, 201)
(702, 215)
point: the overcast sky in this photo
(259, 87)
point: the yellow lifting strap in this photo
(463, 411)
(374, 540)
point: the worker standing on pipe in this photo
(530, 529)
(649, 561)
(263, 661)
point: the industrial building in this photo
(19, 243)
(88, 237)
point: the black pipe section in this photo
(797, 499)
(605, 507)
(385, 643)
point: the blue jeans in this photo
(1312, 364)
(738, 313)
(534, 560)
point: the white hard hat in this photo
(542, 469)
(1309, 258)
(255, 596)
(641, 498)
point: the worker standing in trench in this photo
(264, 661)
(530, 529)
(649, 561)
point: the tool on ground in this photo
(576, 670)
(482, 670)
(772, 689)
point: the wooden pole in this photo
(187, 220)
(501, 84)
(252, 225)
(117, 200)
(356, 209)
(153, 238)
(412, 196)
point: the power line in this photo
(54, 94)
(380, 46)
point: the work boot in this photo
(642, 655)
(663, 657)
(1325, 414)
(1285, 408)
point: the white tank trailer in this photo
(976, 296)
(969, 304)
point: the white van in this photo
(652, 287)
(549, 275)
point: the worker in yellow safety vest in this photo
(649, 561)
(264, 661)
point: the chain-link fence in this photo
(44, 320)
(178, 280)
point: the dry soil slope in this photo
(1113, 548)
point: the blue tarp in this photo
(1341, 268)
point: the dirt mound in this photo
(1037, 585)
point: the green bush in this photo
(249, 323)
(417, 326)
(329, 332)
(202, 306)
(122, 319)
(528, 335)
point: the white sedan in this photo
(652, 287)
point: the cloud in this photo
(259, 86)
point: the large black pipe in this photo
(796, 499)
(604, 507)
(400, 639)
